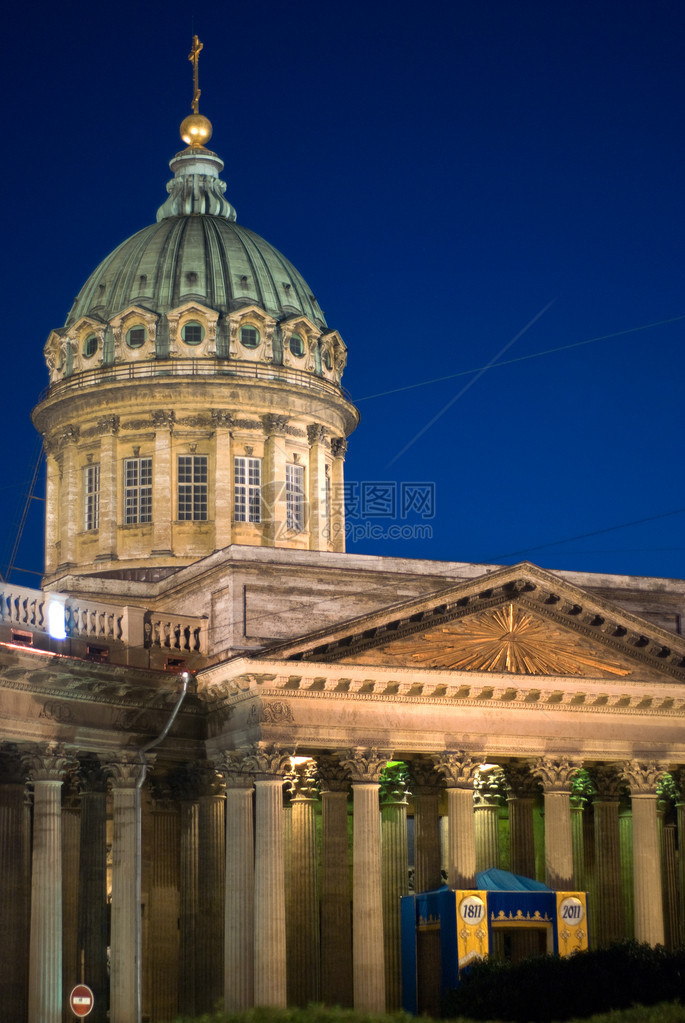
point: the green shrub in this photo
(549, 988)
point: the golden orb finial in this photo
(195, 129)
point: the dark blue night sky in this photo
(440, 173)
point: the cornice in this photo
(570, 694)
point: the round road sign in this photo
(81, 1000)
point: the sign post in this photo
(81, 1000)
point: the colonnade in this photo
(231, 896)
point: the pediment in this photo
(520, 621)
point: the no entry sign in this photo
(81, 1000)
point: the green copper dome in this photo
(197, 252)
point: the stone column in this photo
(209, 936)
(336, 891)
(522, 788)
(108, 427)
(319, 526)
(459, 770)
(368, 965)
(14, 888)
(223, 476)
(304, 978)
(240, 883)
(488, 787)
(273, 485)
(164, 500)
(92, 907)
(125, 973)
(164, 905)
(338, 448)
(670, 874)
(268, 765)
(625, 830)
(425, 787)
(609, 926)
(556, 776)
(47, 771)
(678, 775)
(71, 829)
(642, 778)
(188, 895)
(395, 873)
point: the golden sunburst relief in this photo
(507, 639)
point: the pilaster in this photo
(164, 499)
(319, 526)
(71, 500)
(522, 788)
(273, 484)
(223, 488)
(338, 449)
(108, 427)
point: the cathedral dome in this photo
(196, 257)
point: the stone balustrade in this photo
(37, 611)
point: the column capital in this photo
(302, 782)
(609, 781)
(642, 776)
(274, 424)
(489, 788)
(339, 447)
(47, 762)
(266, 760)
(332, 775)
(222, 418)
(394, 787)
(91, 773)
(127, 770)
(13, 768)
(424, 778)
(678, 775)
(458, 768)
(316, 434)
(205, 778)
(520, 780)
(230, 764)
(364, 765)
(556, 773)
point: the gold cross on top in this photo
(194, 58)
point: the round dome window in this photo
(297, 345)
(90, 346)
(249, 337)
(135, 337)
(193, 332)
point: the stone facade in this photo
(227, 747)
